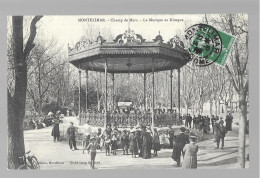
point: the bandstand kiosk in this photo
(128, 53)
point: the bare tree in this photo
(227, 94)
(202, 84)
(237, 25)
(217, 77)
(16, 102)
(41, 67)
(188, 87)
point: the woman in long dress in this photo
(133, 144)
(56, 131)
(190, 157)
(156, 142)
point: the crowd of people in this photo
(128, 139)
(42, 121)
(202, 123)
(140, 142)
(145, 142)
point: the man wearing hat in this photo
(181, 141)
(145, 144)
(108, 129)
(189, 120)
(140, 139)
(213, 121)
(72, 137)
(133, 143)
(229, 120)
(149, 143)
(125, 142)
(221, 133)
(92, 147)
(86, 139)
(56, 130)
(156, 142)
(190, 158)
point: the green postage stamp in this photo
(227, 43)
(208, 45)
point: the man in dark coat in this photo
(189, 120)
(72, 137)
(229, 120)
(56, 131)
(108, 129)
(202, 124)
(181, 141)
(145, 143)
(171, 138)
(197, 122)
(186, 117)
(125, 142)
(139, 138)
(221, 132)
(180, 119)
(149, 144)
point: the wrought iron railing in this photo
(128, 120)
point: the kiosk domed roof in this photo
(158, 38)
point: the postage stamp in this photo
(208, 45)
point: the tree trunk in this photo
(74, 102)
(16, 104)
(216, 108)
(219, 107)
(40, 107)
(210, 109)
(35, 106)
(39, 87)
(226, 108)
(242, 129)
(15, 135)
(201, 107)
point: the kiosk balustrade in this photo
(130, 120)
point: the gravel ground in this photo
(57, 155)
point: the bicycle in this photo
(29, 162)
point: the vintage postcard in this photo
(165, 91)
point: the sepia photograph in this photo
(168, 91)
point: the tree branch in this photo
(29, 45)
(246, 87)
(232, 79)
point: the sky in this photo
(69, 29)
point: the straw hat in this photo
(193, 137)
(182, 129)
(92, 138)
